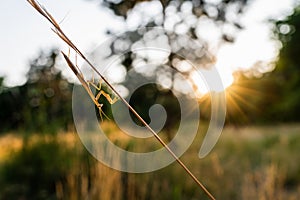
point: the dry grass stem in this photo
(79, 75)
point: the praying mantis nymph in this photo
(87, 86)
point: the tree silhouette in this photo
(43, 103)
(278, 92)
(48, 93)
(286, 75)
(180, 34)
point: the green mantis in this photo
(87, 86)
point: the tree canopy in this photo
(178, 35)
(287, 72)
(278, 92)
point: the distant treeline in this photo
(42, 104)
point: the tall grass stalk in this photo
(57, 29)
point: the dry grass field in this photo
(247, 163)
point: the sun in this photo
(216, 79)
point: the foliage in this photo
(43, 103)
(181, 21)
(280, 89)
(33, 172)
(215, 10)
(274, 96)
(286, 75)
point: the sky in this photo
(24, 34)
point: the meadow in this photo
(255, 162)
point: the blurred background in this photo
(252, 43)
